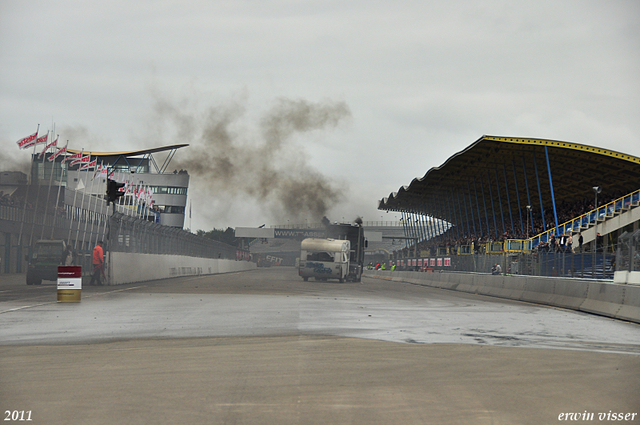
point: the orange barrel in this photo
(69, 284)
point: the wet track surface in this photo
(266, 347)
(276, 302)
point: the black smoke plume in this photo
(269, 166)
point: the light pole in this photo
(597, 189)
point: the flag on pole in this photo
(42, 139)
(88, 165)
(101, 171)
(83, 160)
(50, 145)
(57, 154)
(27, 141)
(97, 171)
(139, 194)
(72, 157)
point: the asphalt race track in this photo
(266, 347)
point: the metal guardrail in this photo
(591, 265)
(590, 219)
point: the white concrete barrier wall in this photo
(126, 267)
(621, 301)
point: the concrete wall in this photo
(127, 268)
(598, 297)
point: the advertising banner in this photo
(69, 284)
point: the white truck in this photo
(324, 259)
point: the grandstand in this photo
(505, 195)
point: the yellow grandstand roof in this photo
(513, 172)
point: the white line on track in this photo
(55, 302)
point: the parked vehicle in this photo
(47, 255)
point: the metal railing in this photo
(129, 234)
(589, 219)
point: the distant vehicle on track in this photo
(324, 259)
(343, 232)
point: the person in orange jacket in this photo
(98, 264)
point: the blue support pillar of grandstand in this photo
(475, 188)
(506, 186)
(504, 227)
(535, 167)
(432, 227)
(425, 224)
(452, 209)
(409, 226)
(423, 235)
(434, 214)
(434, 222)
(419, 229)
(465, 231)
(553, 198)
(412, 226)
(470, 208)
(493, 207)
(526, 184)
(440, 215)
(443, 214)
(427, 227)
(404, 227)
(515, 179)
(409, 230)
(486, 213)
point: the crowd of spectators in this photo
(452, 239)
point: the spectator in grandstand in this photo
(580, 241)
(563, 243)
(543, 246)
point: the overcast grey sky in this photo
(409, 83)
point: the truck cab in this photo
(47, 255)
(324, 259)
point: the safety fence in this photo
(87, 221)
(628, 254)
(132, 235)
(592, 265)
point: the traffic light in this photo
(113, 191)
